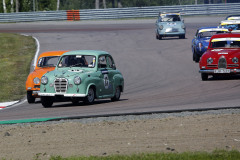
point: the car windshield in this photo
(48, 61)
(209, 33)
(87, 61)
(232, 26)
(170, 18)
(225, 43)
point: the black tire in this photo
(47, 101)
(30, 97)
(197, 59)
(196, 56)
(204, 76)
(89, 99)
(117, 94)
(159, 37)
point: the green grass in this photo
(16, 54)
(215, 155)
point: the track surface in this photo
(159, 74)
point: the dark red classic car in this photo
(222, 56)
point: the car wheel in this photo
(194, 56)
(47, 101)
(117, 94)
(30, 97)
(89, 99)
(182, 37)
(159, 37)
(204, 76)
(197, 59)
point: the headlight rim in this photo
(36, 80)
(161, 27)
(44, 80)
(235, 60)
(77, 80)
(210, 60)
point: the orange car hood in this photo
(40, 72)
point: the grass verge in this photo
(215, 155)
(16, 54)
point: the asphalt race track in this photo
(159, 74)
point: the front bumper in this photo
(62, 94)
(165, 33)
(35, 93)
(212, 71)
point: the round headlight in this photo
(161, 27)
(235, 60)
(36, 80)
(210, 60)
(77, 80)
(44, 80)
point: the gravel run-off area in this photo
(165, 132)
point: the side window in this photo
(102, 63)
(110, 62)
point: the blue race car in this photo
(201, 40)
(233, 17)
(170, 25)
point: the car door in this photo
(111, 73)
(105, 84)
(194, 41)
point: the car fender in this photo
(90, 85)
(118, 81)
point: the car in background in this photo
(201, 40)
(170, 25)
(46, 62)
(234, 25)
(82, 75)
(222, 56)
(233, 17)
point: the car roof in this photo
(169, 13)
(233, 17)
(212, 29)
(51, 53)
(230, 22)
(86, 52)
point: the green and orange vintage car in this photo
(83, 75)
(46, 62)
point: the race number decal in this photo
(106, 81)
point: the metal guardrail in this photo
(118, 13)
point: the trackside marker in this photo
(5, 104)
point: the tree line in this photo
(7, 6)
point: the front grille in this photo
(222, 62)
(233, 65)
(212, 65)
(61, 85)
(37, 86)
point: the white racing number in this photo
(106, 81)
